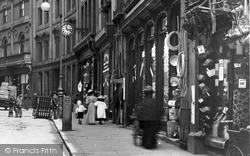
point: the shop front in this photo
(218, 47)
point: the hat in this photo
(148, 89)
(173, 60)
(100, 97)
(174, 81)
(90, 91)
(79, 102)
(54, 92)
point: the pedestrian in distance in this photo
(12, 103)
(80, 111)
(149, 116)
(34, 103)
(19, 102)
(55, 105)
(90, 100)
(75, 98)
(101, 109)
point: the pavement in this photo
(27, 130)
(109, 140)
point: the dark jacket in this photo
(149, 110)
(12, 102)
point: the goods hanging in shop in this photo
(168, 41)
(5, 91)
(222, 52)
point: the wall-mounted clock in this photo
(67, 29)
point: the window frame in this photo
(5, 47)
(22, 6)
(40, 16)
(5, 14)
(21, 43)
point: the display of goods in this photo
(12, 92)
(173, 113)
(12, 88)
(5, 84)
(4, 96)
(171, 127)
(4, 88)
(4, 92)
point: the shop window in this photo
(151, 55)
(21, 43)
(141, 62)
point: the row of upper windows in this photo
(43, 17)
(19, 11)
(5, 47)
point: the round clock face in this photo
(67, 29)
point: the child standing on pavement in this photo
(101, 109)
(80, 110)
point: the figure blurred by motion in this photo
(149, 115)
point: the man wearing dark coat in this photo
(149, 115)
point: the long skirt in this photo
(91, 114)
(150, 129)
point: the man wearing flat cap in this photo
(149, 115)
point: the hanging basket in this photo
(171, 47)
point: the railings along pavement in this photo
(44, 107)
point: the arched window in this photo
(21, 43)
(5, 47)
(151, 56)
(46, 50)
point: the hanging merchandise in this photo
(181, 64)
(210, 72)
(208, 62)
(205, 110)
(201, 77)
(173, 60)
(79, 86)
(204, 89)
(171, 47)
(174, 81)
(201, 52)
